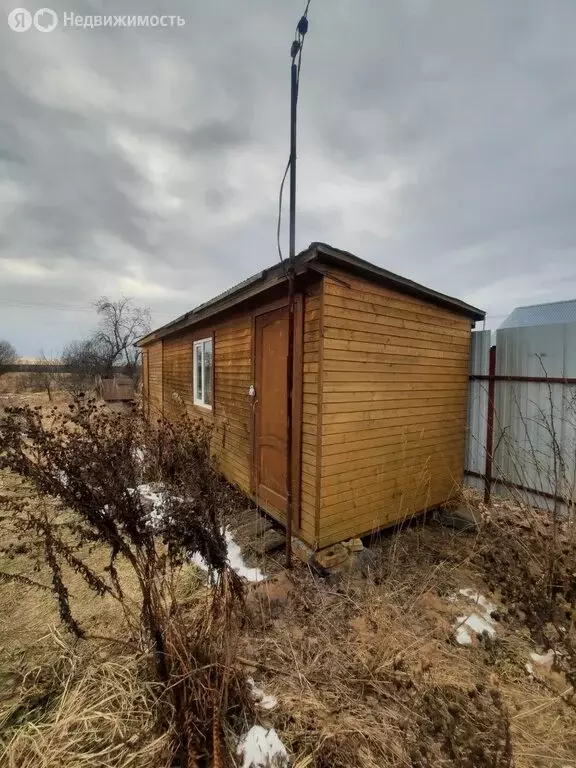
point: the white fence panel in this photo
(477, 408)
(535, 423)
(534, 436)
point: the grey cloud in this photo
(215, 135)
(155, 155)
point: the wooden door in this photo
(271, 350)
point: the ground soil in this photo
(364, 666)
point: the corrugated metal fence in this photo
(522, 414)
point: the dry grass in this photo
(27, 613)
(55, 698)
(370, 675)
(84, 712)
(365, 672)
(365, 668)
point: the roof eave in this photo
(316, 253)
(355, 264)
(269, 278)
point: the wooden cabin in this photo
(380, 391)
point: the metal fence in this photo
(522, 414)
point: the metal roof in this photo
(542, 314)
(313, 258)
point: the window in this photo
(202, 374)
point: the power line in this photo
(66, 307)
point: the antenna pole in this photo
(293, 118)
(291, 280)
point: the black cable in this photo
(280, 217)
(300, 34)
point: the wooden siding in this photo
(394, 405)
(232, 379)
(384, 391)
(170, 377)
(232, 407)
(177, 374)
(311, 398)
(145, 384)
(154, 352)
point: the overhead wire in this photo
(65, 307)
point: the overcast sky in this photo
(437, 138)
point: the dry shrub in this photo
(367, 673)
(91, 706)
(202, 640)
(531, 559)
(371, 678)
(89, 462)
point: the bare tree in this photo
(121, 325)
(44, 378)
(82, 364)
(8, 354)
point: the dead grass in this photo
(27, 613)
(54, 706)
(84, 712)
(365, 670)
(370, 675)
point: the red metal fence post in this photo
(490, 426)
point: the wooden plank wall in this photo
(154, 352)
(232, 405)
(232, 379)
(145, 384)
(310, 412)
(395, 388)
(177, 374)
(232, 410)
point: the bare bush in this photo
(44, 379)
(91, 463)
(8, 354)
(83, 366)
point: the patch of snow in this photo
(479, 599)
(262, 699)
(156, 502)
(542, 662)
(463, 637)
(261, 748)
(235, 560)
(198, 560)
(62, 476)
(543, 659)
(477, 622)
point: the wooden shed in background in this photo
(380, 399)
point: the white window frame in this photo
(199, 344)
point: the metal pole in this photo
(490, 427)
(290, 356)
